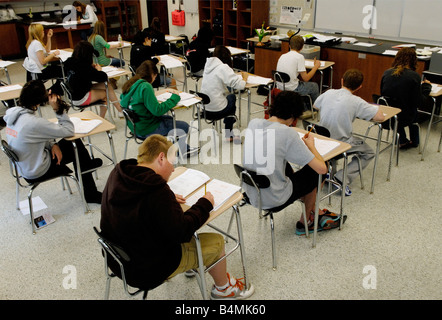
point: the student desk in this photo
(324, 66)
(4, 65)
(166, 67)
(434, 95)
(11, 91)
(239, 242)
(389, 113)
(342, 148)
(105, 126)
(126, 44)
(169, 39)
(234, 51)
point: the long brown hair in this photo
(80, 4)
(99, 29)
(222, 53)
(405, 58)
(145, 71)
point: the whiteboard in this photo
(388, 18)
(422, 20)
(341, 16)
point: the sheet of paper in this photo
(220, 190)
(11, 87)
(64, 55)
(188, 182)
(4, 64)
(125, 43)
(364, 44)
(258, 80)
(310, 64)
(85, 126)
(322, 145)
(390, 52)
(435, 88)
(37, 205)
(170, 62)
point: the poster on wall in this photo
(290, 15)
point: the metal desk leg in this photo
(7, 75)
(440, 140)
(249, 106)
(241, 241)
(321, 81)
(429, 129)
(344, 182)
(393, 146)
(111, 144)
(315, 228)
(378, 146)
(201, 270)
(79, 175)
(239, 108)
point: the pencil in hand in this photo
(306, 135)
(205, 188)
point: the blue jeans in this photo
(116, 62)
(308, 88)
(166, 129)
(229, 110)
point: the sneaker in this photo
(189, 273)
(300, 228)
(120, 115)
(328, 222)
(235, 291)
(347, 189)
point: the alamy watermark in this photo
(370, 280)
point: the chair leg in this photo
(272, 227)
(31, 210)
(360, 172)
(125, 148)
(85, 205)
(304, 215)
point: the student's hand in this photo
(309, 141)
(53, 101)
(50, 33)
(97, 67)
(56, 153)
(56, 52)
(209, 197)
(426, 81)
(316, 63)
(180, 199)
(245, 75)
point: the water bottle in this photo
(120, 40)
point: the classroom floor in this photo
(390, 246)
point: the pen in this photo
(306, 135)
(380, 43)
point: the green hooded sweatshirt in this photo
(141, 99)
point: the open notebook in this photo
(191, 180)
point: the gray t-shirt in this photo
(268, 146)
(339, 108)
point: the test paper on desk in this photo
(258, 80)
(10, 88)
(64, 55)
(322, 145)
(169, 62)
(187, 99)
(435, 88)
(364, 44)
(125, 43)
(310, 64)
(188, 182)
(112, 71)
(4, 64)
(84, 126)
(220, 190)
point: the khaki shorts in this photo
(212, 246)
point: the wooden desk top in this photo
(12, 94)
(437, 93)
(343, 146)
(87, 114)
(326, 65)
(389, 112)
(116, 72)
(170, 38)
(214, 214)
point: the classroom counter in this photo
(370, 60)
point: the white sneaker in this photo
(235, 291)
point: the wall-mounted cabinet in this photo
(233, 21)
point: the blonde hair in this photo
(153, 146)
(34, 32)
(99, 29)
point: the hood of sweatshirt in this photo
(133, 182)
(126, 97)
(211, 64)
(12, 114)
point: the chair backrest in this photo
(251, 178)
(68, 94)
(9, 152)
(435, 63)
(204, 97)
(279, 76)
(131, 117)
(323, 131)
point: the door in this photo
(158, 8)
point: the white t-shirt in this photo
(291, 63)
(89, 16)
(33, 48)
(339, 108)
(268, 146)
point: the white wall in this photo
(192, 21)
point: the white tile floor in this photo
(389, 248)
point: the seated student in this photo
(138, 95)
(86, 15)
(80, 72)
(33, 140)
(217, 77)
(142, 50)
(142, 215)
(199, 50)
(39, 56)
(158, 38)
(338, 109)
(282, 145)
(293, 63)
(403, 85)
(100, 44)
